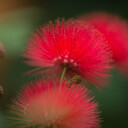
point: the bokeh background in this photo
(19, 19)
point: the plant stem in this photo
(62, 76)
(70, 84)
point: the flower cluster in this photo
(69, 52)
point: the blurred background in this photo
(19, 19)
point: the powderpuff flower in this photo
(116, 32)
(48, 105)
(79, 48)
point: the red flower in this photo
(116, 32)
(81, 49)
(46, 104)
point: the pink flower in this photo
(116, 32)
(69, 44)
(46, 104)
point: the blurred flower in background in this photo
(1, 50)
(115, 31)
(1, 55)
(45, 104)
(1, 90)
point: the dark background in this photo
(20, 18)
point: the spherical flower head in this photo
(49, 105)
(115, 31)
(79, 48)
